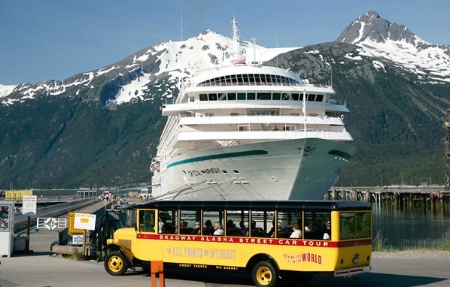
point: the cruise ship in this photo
(247, 131)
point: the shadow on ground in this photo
(369, 279)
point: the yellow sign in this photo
(17, 194)
(72, 229)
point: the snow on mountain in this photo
(174, 60)
(5, 90)
(182, 59)
(378, 37)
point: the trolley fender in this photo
(128, 255)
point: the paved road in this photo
(408, 269)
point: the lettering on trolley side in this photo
(306, 257)
(293, 242)
(213, 253)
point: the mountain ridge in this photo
(105, 123)
(376, 37)
(379, 37)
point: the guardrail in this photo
(21, 220)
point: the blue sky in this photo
(55, 39)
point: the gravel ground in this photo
(412, 254)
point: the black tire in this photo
(264, 274)
(115, 263)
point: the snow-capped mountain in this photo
(173, 61)
(170, 60)
(378, 37)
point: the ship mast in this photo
(238, 54)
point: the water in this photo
(418, 225)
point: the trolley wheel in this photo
(264, 274)
(115, 263)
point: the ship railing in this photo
(327, 119)
(272, 129)
(302, 83)
(171, 102)
(186, 135)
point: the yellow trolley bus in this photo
(269, 239)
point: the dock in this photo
(399, 195)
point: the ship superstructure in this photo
(249, 131)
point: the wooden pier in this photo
(400, 195)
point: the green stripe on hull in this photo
(219, 156)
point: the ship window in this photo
(251, 78)
(276, 96)
(274, 112)
(234, 114)
(290, 127)
(224, 171)
(250, 96)
(236, 79)
(212, 97)
(243, 128)
(264, 96)
(236, 171)
(319, 98)
(203, 97)
(231, 96)
(222, 97)
(311, 97)
(244, 79)
(285, 96)
(295, 97)
(273, 79)
(301, 97)
(241, 96)
(209, 114)
(191, 99)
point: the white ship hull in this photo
(277, 170)
(246, 131)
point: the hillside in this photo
(103, 126)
